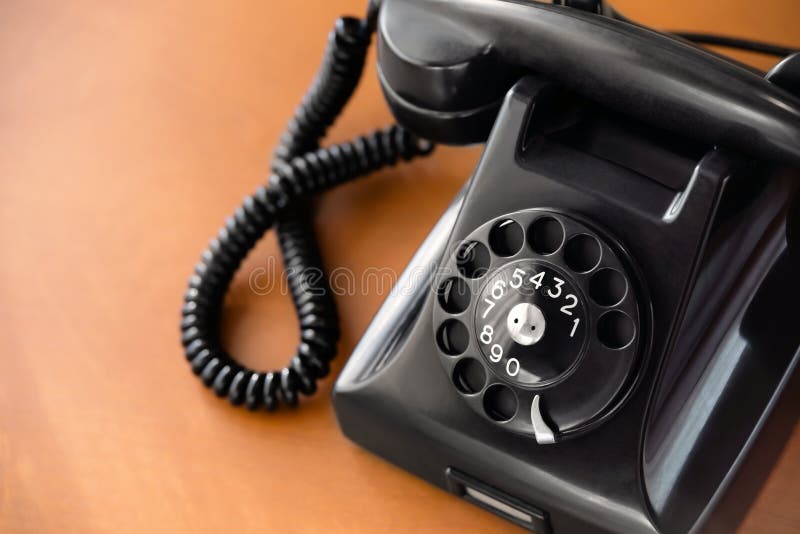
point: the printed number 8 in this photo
(486, 334)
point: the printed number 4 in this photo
(537, 279)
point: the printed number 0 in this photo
(512, 367)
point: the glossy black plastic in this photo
(562, 369)
(716, 244)
(445, 65)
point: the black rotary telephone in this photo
(608, 311)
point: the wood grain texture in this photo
(128, 132)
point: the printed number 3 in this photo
(559, 282)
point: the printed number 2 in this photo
(567, 307)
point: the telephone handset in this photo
(609, 289)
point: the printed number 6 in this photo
(498, 290)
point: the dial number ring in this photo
(537, 357)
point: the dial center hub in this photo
(526, 323)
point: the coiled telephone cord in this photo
(300, 169)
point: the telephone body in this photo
(647, 444)
(659, 264)
(606, 317)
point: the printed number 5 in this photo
(516, 278)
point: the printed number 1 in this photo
(574, 326)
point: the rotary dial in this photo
(538, 325)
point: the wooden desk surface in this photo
(128, 132)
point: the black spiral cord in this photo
(299, 169)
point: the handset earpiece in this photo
(444, 66)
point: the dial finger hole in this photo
(582, 253)
(469, 376)
(506, 238)
(546, 235)
(500, 403)
(473, 259)
(608, 287)
(454, 295)
(615, 329)
(452, 337)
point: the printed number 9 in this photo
(496, 353)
